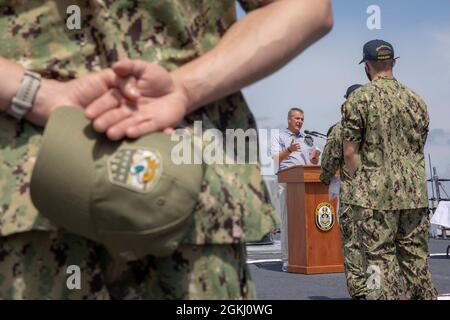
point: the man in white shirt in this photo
(291, 148)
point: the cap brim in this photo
(62, 176)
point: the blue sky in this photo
(317, 79)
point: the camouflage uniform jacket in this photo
(390, 124)
(233, 205)
(333, 159)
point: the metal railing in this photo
(436, 189)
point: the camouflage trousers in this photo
(40, 265)
(394, 246)
(351, 250)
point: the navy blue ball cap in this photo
(378, 50)
(351, 89)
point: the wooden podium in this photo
(311, 250)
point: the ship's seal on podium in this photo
(325, 216)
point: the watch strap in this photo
(23, 101)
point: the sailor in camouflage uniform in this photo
(233, 206)
(385, 127)
(333, 160)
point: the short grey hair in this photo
(294, 109)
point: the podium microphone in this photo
(316, 134)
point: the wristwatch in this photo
(24, 99)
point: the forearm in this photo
(350, 164)
(351, 157)
(12, 75)
(8, 89)
(253, 48)
(282, 155)
(53, 94)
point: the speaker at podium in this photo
(314, 240)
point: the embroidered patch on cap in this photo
(135, 169)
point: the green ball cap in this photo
(127, 195)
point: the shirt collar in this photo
(385, 78)
(298, 135)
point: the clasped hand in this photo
(131, 99)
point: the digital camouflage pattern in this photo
(332, 155)
(387, 196)
(351, 251)
(390, 122)
(333, 160)
(233, 206)
(35, 266)
(395, 247)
